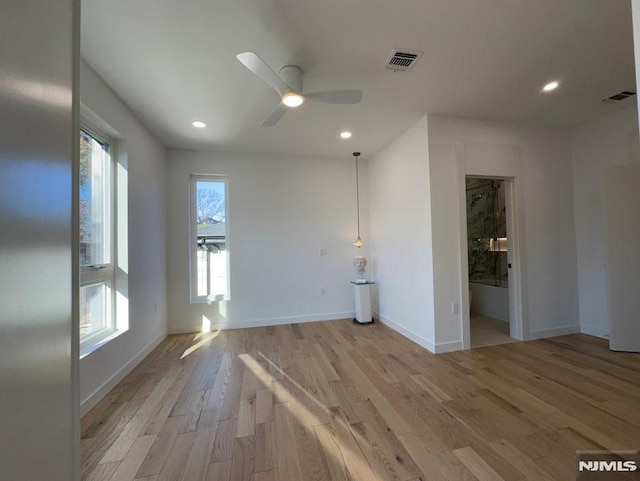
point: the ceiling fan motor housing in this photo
(292, 76)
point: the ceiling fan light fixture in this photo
(292, 99)
(288, 84)
(345, 135)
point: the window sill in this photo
(95, 344)
(209, 300)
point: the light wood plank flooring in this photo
(334, 401)
(487, 331)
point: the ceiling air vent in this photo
(625, 94)
(402, 59)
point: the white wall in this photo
(146, 159)
(622, 226)
(400, 223)
(39, 428)
(635, 14)
(597, 146)
(490, 301)
(549, 263)
(281, 211)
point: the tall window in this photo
(96, 238)
(209, 239)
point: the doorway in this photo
(487, 260)
(497, 162)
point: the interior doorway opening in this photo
(488, 260)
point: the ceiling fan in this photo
(288, 84)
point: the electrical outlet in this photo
(322, 251)
(455, 308)
(323, 291)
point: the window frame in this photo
(103, 273)
(193, 237)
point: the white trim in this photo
(506, 165)
(95, 122)
(553, 332)
(193, 234)
(595, 331)
(518, 321)
(465, 308)
(106, 274)
(113, 381)
(418, 339)
(263, 322)
(93, 343)
(443, 347)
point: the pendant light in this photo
(358, 242)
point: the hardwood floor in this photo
(487, 331)
(335, 401)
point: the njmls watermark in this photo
(608, 465)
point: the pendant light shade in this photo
(358, 242)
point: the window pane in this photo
(211, 252)
(95, 222)
(94, 308)
(94, 201)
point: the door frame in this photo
(497, 162)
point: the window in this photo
(97, 236)
(209, 239)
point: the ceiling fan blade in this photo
(275, 116)
(262, 70)
(336, 97)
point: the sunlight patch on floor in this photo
(203, 339)
(339, 434)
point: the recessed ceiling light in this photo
(292, 100)
(550, 86)
(345, 135)
(198, 124)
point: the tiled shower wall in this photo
(486, 220)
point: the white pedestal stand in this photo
(363, 302)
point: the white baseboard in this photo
(553, 332)
(113, 381)
(442, 347)
(264, 322)
(418, 339)
(595, 331)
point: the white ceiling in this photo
(173, 61)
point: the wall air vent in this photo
(625, 94)
(402, 59)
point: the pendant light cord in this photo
(357, 192)
(358, 242)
